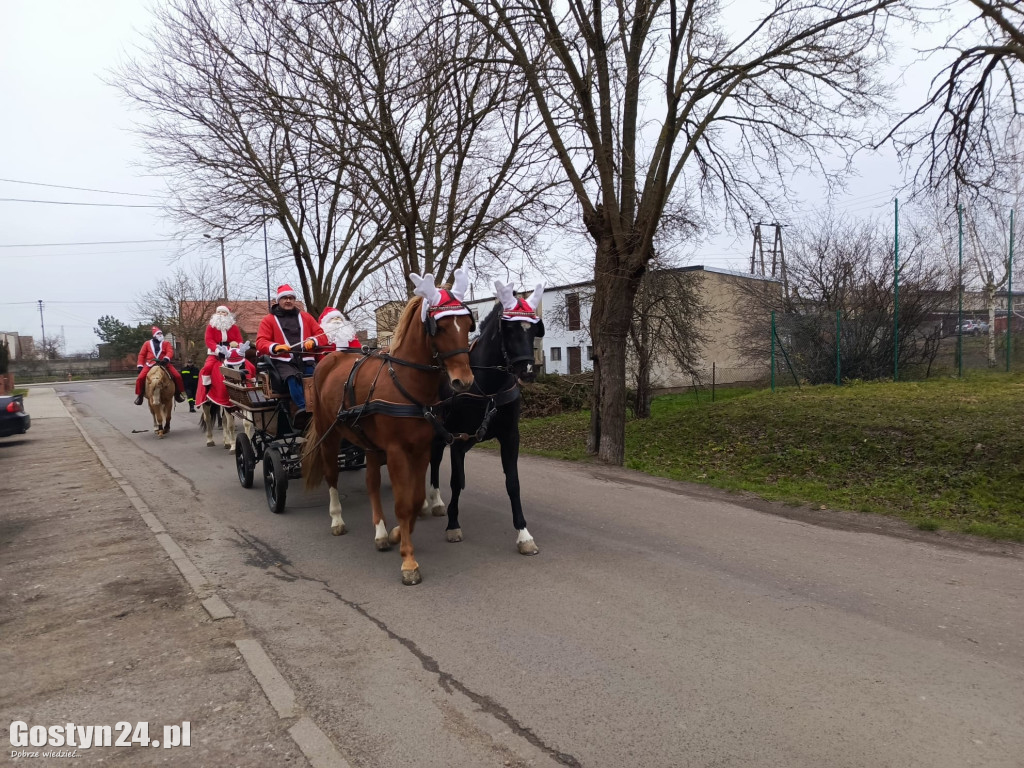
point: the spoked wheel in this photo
(245, 460)
(275, 480)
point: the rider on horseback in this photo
(156, 351)
(287, 337)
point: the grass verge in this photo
(943, 453)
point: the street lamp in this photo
(223, 263)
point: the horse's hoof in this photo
(228, 447)
(210, 443)
(424, 511)
(395, 535)
(454, 535)
(528, 547)
(438, 510)
(382, 545)
(339, 530)
(411, 578)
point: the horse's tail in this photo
(312, 463)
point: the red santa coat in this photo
(270, 333)
(215, 338)
(149, 353)
(211, 383)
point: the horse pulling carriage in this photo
(271, 434)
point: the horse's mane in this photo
(410, 314)
(491, 326)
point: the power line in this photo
(65, 202)
(83, 253)
(80, 189)
(95, 242)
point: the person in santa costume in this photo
(340, 332)
(221, 331)
(287, 336)
(211, 380)
(157, 351)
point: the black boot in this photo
(191, 406)
(139, 399)
(179, 397)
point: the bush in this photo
(552, 394)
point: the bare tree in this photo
(841, 270)
(445, 140)
(644, 99)
(182, 305)
(667, 318)
(219, 86)
(960, 130)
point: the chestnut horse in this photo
(383, 403)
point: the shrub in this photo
(552, 394)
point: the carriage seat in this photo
(266, 370)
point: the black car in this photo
(13, 419)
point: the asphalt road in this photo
(661, 625)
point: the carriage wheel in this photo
(245, 460)
(275, 480)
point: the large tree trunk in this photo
(614, 292)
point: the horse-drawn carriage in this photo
(271, 434)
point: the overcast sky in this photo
(64, 126)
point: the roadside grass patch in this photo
(944, 453)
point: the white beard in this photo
(339, 331)
(222, 322)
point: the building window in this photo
(556, 354)
(590, 353)
(572, 306)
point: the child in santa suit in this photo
(211, 380)
(340, 332)
(153, 352)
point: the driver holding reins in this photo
(156, 351)
(287, 337)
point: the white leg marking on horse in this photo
(337, 524)
(525, 543)
(434, 503)
(380, 537)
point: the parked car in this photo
(13, 419)
(982, 327)
(969, 328)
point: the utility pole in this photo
(778, 255)
(42, 325)
(223, 263)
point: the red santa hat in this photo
(523, 310)
(285, 290)
(440, 302)
(156, 331)
(329, 313)
(234, 357)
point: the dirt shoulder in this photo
(99, 626)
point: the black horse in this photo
(500, 357)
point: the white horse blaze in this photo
(335, 509)
(380, 531)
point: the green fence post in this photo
(839, 372)
(773, 352)
(960, 293)
(1009, 297)
(896, 294)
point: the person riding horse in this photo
(286, 337)
(156, 351)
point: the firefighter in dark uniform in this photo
(190, 375)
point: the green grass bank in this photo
(944, 453)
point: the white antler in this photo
(505, 295)
(425, 287)
(536, 297)
(461, 284)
